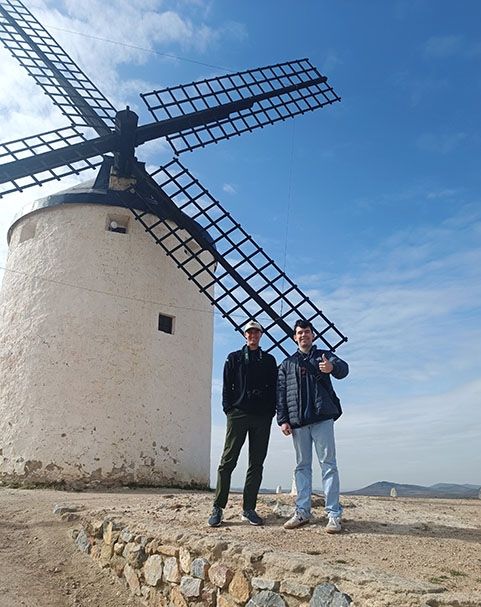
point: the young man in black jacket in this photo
(307, 407)
(249, 402)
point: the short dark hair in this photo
(303, 324)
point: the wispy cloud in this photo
(451, 45)
(442, 193)
(415, 89)
(440, 47)
(440, 143)
(228, 188)
(330, 61)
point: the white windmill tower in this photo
(107, 348)
(110, 355)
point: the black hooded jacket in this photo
(250, 378)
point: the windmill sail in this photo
(52, 69)
(279, 91)
(248, 283)
(38, 169)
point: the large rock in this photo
(185, 560)
(134, 554)
(220, 575)
(132, 579)
(171, 570)
(83, 541)
(153, 568)
(177, 598)
(106, 553)
(110, 532)
(239, 587)
(266, 598)
(327, 595)
(191, 587)
(200, 568)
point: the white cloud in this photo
(417, 90)
(228, 188)
(440, 47)
(330, 62)
(440, 143)
(451, 46)
(442, 193)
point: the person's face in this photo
(304, 337)
(253, 337)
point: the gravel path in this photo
(437, 541)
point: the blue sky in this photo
(372, 205)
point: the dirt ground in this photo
(39, 563)
(437, 541)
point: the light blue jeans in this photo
(321, 434)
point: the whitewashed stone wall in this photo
(91, 392)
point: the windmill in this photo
(91, 393)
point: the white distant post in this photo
(393, 492)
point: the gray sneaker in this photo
(334, 525)
(215, 518)
(252, 517)
(296, 521)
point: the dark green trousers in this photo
(239, 426)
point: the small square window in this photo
(166, 324)
(117, 223)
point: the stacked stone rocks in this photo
(166, 575)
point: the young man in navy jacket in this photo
(307, 407)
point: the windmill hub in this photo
(126, 126)
(121, 184)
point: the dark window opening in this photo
(166, 324)
(117, 223)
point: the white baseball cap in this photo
(252, 324)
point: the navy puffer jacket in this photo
(325, 401)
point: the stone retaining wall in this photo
(201, 572)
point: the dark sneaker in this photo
(215, 518)
(252, 517)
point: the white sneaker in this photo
(334, 525)
(295, 521)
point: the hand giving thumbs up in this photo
(325, 366)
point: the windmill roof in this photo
(96, 191)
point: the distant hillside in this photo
(445, 490)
